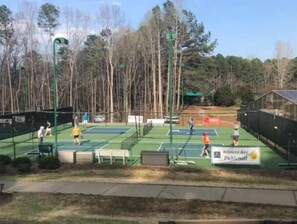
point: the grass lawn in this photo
(47, 208)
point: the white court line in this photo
(104, 145)
(168, 132)
(179, 148)
(215, 131)
(127, 132)
(160, 146)
(174, 130)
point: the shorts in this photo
(206, 146)
(235, 137)
(75, 136)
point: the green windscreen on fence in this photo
(147, 127)
(12, 125)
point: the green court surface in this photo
(157, 139)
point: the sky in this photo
(244, 28)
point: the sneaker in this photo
(207, 157)
(201, 155)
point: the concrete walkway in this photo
(258, 196)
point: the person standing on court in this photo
(191, 126)
(85, 119)
(48, 130)
(40, 134)
(206, 142)
(235, 134)
(76, 133)
(75, 121)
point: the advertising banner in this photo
(135, 119)
(5, 121)
(19, 119)
(236, 155)
(211, 120)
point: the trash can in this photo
(45, 148)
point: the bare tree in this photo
(26, 18)
(283, 65)
(77, 29)
(111, 21)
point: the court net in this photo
(129, 142)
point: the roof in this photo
(290, 95)
(193, 94)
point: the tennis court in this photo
(199, 132)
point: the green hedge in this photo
(2, 167)
(49, 162)
(20, 160)
(6, 160)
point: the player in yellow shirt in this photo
(76, 133)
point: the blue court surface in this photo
(197, 132)
(191, 150)
(106, 131)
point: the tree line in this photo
(117, 70)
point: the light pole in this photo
(122, 67)
(170, 37)
(57, 40)
(182, 65)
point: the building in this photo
(278, 102)
(273, 119)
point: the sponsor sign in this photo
(5, 121)
(211, 120)
(133, 119)
(19, 119)
(236, 155)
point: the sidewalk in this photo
(258, 196)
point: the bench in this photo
(112, 155)
(103, 153)
(120, 154)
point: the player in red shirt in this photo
(206, 142)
